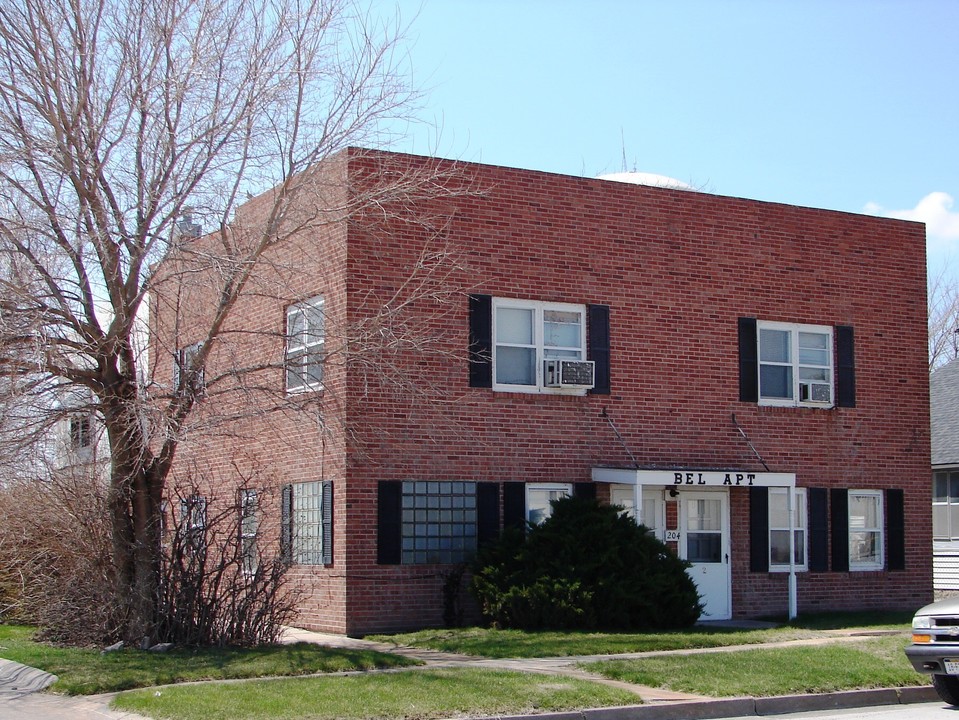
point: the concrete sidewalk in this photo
(657, 703)
(20, 699)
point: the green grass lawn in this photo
(865, 663)
(492, 643)
(419, 694)
(85, 671)
(435, 693)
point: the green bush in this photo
(586, 567)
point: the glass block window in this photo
(308, 523)
(248, 530)
(439, 522)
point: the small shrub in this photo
(586, 567)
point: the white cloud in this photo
(935, 209)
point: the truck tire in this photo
(947, 686)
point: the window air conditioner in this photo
(570, 373)
(814, 392)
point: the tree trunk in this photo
(137, 479)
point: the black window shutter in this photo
(481, 341)
(839, 506)
(748, 360)
(286, 523)
(327, 501)
(818, 529)
(597, 346)
(514, 505)
(487, 512)
(584, 490)
(845, 367)
(389, 527)
(758, 529)
(895, 529)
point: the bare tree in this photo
(124, 126)
(943, 318)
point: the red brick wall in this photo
(677, 269)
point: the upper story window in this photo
(795, 364)
(945, 505)
(81, 432)
(183, 363)
(305, 345)
(528, 333)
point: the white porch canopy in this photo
(702, 479)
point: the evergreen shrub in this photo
(588, 566)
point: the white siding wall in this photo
(945, 566)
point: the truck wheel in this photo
(948, 688)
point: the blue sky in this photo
(849, 104)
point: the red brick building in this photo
(710, 360)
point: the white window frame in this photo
(800, 533)
(301, 347)
(795, 364)
(654, 507)
(541, 350)
(182, 363)
(308, 514)
(945, 509)
(81, 432)
(534, 488)
(878, 530)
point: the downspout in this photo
(790, 500)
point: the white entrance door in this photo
(704, 542)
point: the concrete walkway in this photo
(20, 699)
(657, 702)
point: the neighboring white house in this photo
(944, 412)
(37, 449)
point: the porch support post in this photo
(790, 502)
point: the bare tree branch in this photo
(123, 126)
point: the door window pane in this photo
(704, 547)
(704, 515)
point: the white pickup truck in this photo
(935, 646)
